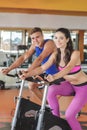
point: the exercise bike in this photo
(41, 118)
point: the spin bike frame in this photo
(42, 109)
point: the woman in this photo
(69, 64)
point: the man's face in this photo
(37, 38)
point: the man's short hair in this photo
(36, 29)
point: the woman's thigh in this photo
(64, 89)
(79, 100)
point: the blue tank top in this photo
(52, 69)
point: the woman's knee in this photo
(51, 91)
(69, 115)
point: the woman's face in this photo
(60, 40)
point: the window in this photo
(48, 34)
(5, 40)
(16, 39)
(10, 40)
(85, 47)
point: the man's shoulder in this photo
(47, 40)
(50, 44)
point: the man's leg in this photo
(33, 87)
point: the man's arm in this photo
(49, 48)
(39, 70)
(20, 60)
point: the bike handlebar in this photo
(37, 80)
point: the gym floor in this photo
(7, 107)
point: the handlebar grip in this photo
(31, 79)
(36, 80)
(11, 75)
(57, 81)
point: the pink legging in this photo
(66, 89)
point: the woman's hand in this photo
(50, 78)
(23, 75)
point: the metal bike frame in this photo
(42, 110)
(17, 107)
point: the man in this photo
(43, 49)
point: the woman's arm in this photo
(75, 60)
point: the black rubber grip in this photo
(57, 81)
(11, 75)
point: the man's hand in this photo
(5, 71)
(24, 75)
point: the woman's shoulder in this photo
(76, 52)
(76, 56)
